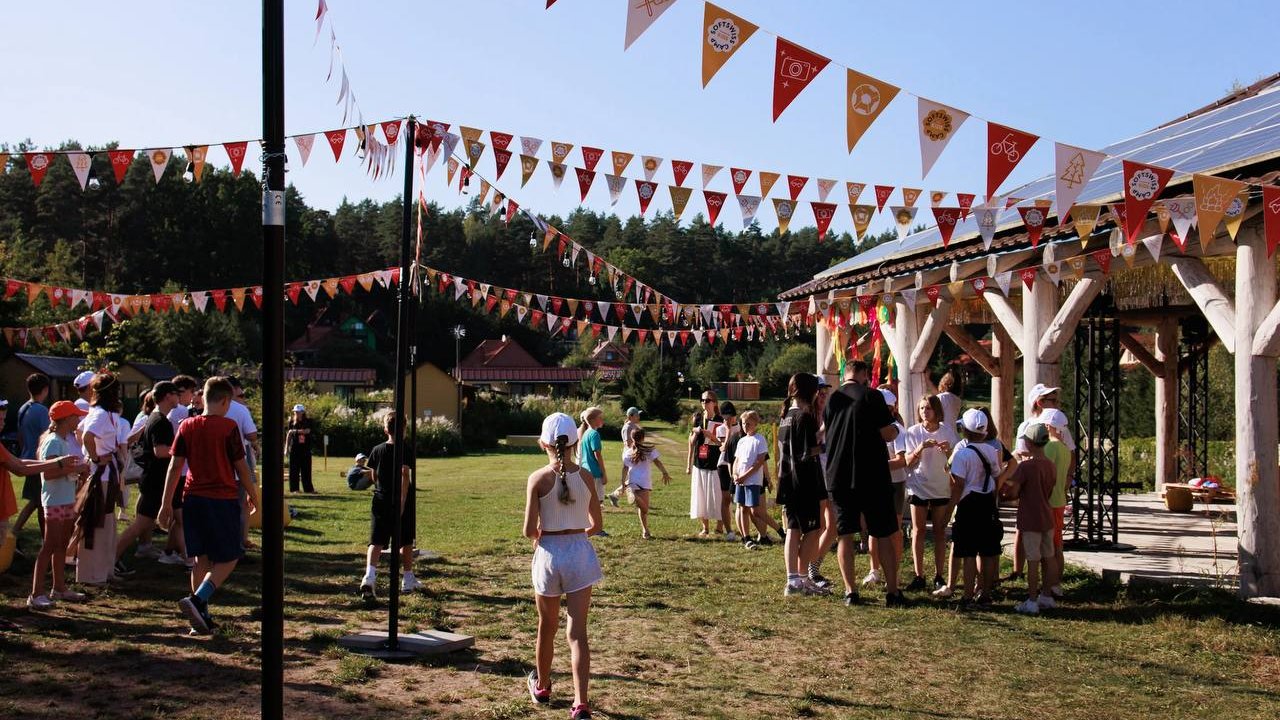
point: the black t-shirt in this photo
(708, 458)
(382, 460)
(731, 443)
(799, 471)
(856, 452)
(157, 432)
(300, 443)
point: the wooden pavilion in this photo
(1219, 289)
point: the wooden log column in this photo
(823, 340)
(1039, 304)
(902, 337)
(1002, 385)
(1257, 476)
(1166, 354)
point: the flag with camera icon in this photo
(794, 68)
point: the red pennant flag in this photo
(391, 130)
(1006, 147)
(794, 68)
(591, 156)
(585, 178)
(1028, 276)
(336, 139)
(38, 164)
(293, 290)
(795, 184)
(235, 153)
(255, 294)
(512, 207)
(395, 276)
(621, 311)
(1103, 258)
(932, 292)
(219, 299)
(161, 302)
(489, 303)
(556, 304)
(645, 190)
(100, 300)
(500, 159)
(882, 196)
(535, 318)
(966, 202)
(715, 201)
(1271, 216)
(739, 176)
(979, 285)
(120, 162)
(681, 168)
(596, 328)
(822, 215)
(1033, 218)
(501, 140)
(348, 284)
(11, 287)
(684, 337)
(1142, 185)
(947, 217)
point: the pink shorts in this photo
(60, 512)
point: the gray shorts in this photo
(564, 564)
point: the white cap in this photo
(299, 408)
(557, 424)
(83, 379)
(1039, 390)
(889, 397)
(361, 456)
(1054, 418)
(974, 421)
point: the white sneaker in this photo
(1056, 590)
(1027, 607)
(150, 552)
(1046, 602)
(872, 578)
(944, 592)
(410, 584)
(170, 558)
(731, 536)
(813, 588)
(39, 602)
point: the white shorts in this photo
(1037, 545)
(564, 564)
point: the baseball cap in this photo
(727, 408)
(83, 379)
(1054, 418)
(3, 403)
(633, 410)
(1036, 434)
(822, 382)
(974, 421)
(361, 456)
(889, 397)
(1039, 390)
(299, 408)
(557, 424)
(65, 409)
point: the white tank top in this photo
(573, 515)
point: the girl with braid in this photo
(562, 508)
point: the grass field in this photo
(680, 628)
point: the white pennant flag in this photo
(448, 143)
(530, 145)
(484, 289)
(80, 296)
(640, 15)
(80, 163)
(784, 309)
(824, 188)
(604, 308)
(459, 288)
(709, 172)
(636, 310)
(98, 317)
(613, 331)
(910, 295)
(542, 301)
(616, 183)
(1003, 281)
(558, 171)
(650, 165)
(903, 217)
(938, 123)
(1073, 168)
(521, 311)
(552, 322)
(707, 313)
(199, 298)
(1183, 213)
(1054, 271)
(433, 155)
(304, 143)
(576, 249)
(383, 277)
(312, 287)
(749, 204)
(159, 161)
(988, 216)
(1153, 244)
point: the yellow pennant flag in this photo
(4, 162)
(620, 161)
(469, 134)
(1162, 215)
(484, 190)
(330, 286)
(366, 279)
(237, 296)
(560, 151)
(1235, 212)
(866, 97)
(1214, 195)
(504, 307)
(197, 157)
(1129, 253)
(33, 291)
(785, 209)
(679, 198)
(722, 34)
(1077, 266)
(862, 215)
(548, 237)
(767, 179)
(956, 288)
(909, 196)
(1085, 218)
(475, 149)
(653, 312)
(528, 164)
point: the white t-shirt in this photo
(965, 464)
(896, 446)
(628, 428)
(106, 428)
(177, 415)
(950, 408)
(639, 473)
(748, 450)
(929, 478)
(239, 412)
(83, 404)
(1021, 446)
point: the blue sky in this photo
(156, 73)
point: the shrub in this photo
(491, 417)
(651, 384)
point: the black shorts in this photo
(212, 528)
(977, 531)
(31, 488)
(804, 514)
(381, 521)
(872, 502)
(917, 501)
(726, 480)
(177, 494)
(150, 495)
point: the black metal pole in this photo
(402, 361)
(271, 485)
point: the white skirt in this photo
(704, 496)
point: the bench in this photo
(1181, 497)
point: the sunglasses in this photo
(707, 400)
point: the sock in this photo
(370, 574)
(205, 590)
(793, 578)
(814, 567)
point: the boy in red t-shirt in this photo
(211, 447)
(1033, 483)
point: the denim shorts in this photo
(564, 564)
(747, 495)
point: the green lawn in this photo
(681, 628)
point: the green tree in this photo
(651, 383)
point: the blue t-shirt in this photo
(33, 420)
(56, 490)
(591, 444)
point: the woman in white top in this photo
(102, 430)
(949, 390)
(637, 466)
(898, 474)
(562, 508)
(929, 444)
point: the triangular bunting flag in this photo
(715, 201)
(749, 204)
(557, 173)
(159, 158)
(865, 98)
(591, 157)
(722, 34)
(501, 140)
(794, 68)
(1085, 219)
(739, 176)
(679, 199)
(1235, 213)
(530, 146)
(1028, 276)
(903, 217)
(620, 161)
(196, 156)
(80, 165)
(946, 219)
(1006, 147)
(302, 142)
(645, 190)
(854, 189)
(965, 201)
(910, 195)
(615, 183)
(1103, 258)
(560, 151)
(1142, 185)
(1073, 168)
(882, 196)
(1033, 218)
(709, 173)
(120, 162)
(938, 124)
(862, 215)
(822, 215)
(824, 188)
(475, 149)
(528, 164)
(237, 150)
(38, 164)
(640, 15)
(1153, 243)
(987, 219)
(796, 183)
(767, 180)
(500, 160)
(650, 164)
(680, 170)
(785, 209)
(1003, 281)
(336, 138)
(1271, 216)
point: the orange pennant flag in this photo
(1214, 195)
(767, 179)
(722, 34)
(866, 97)
(620, 161)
